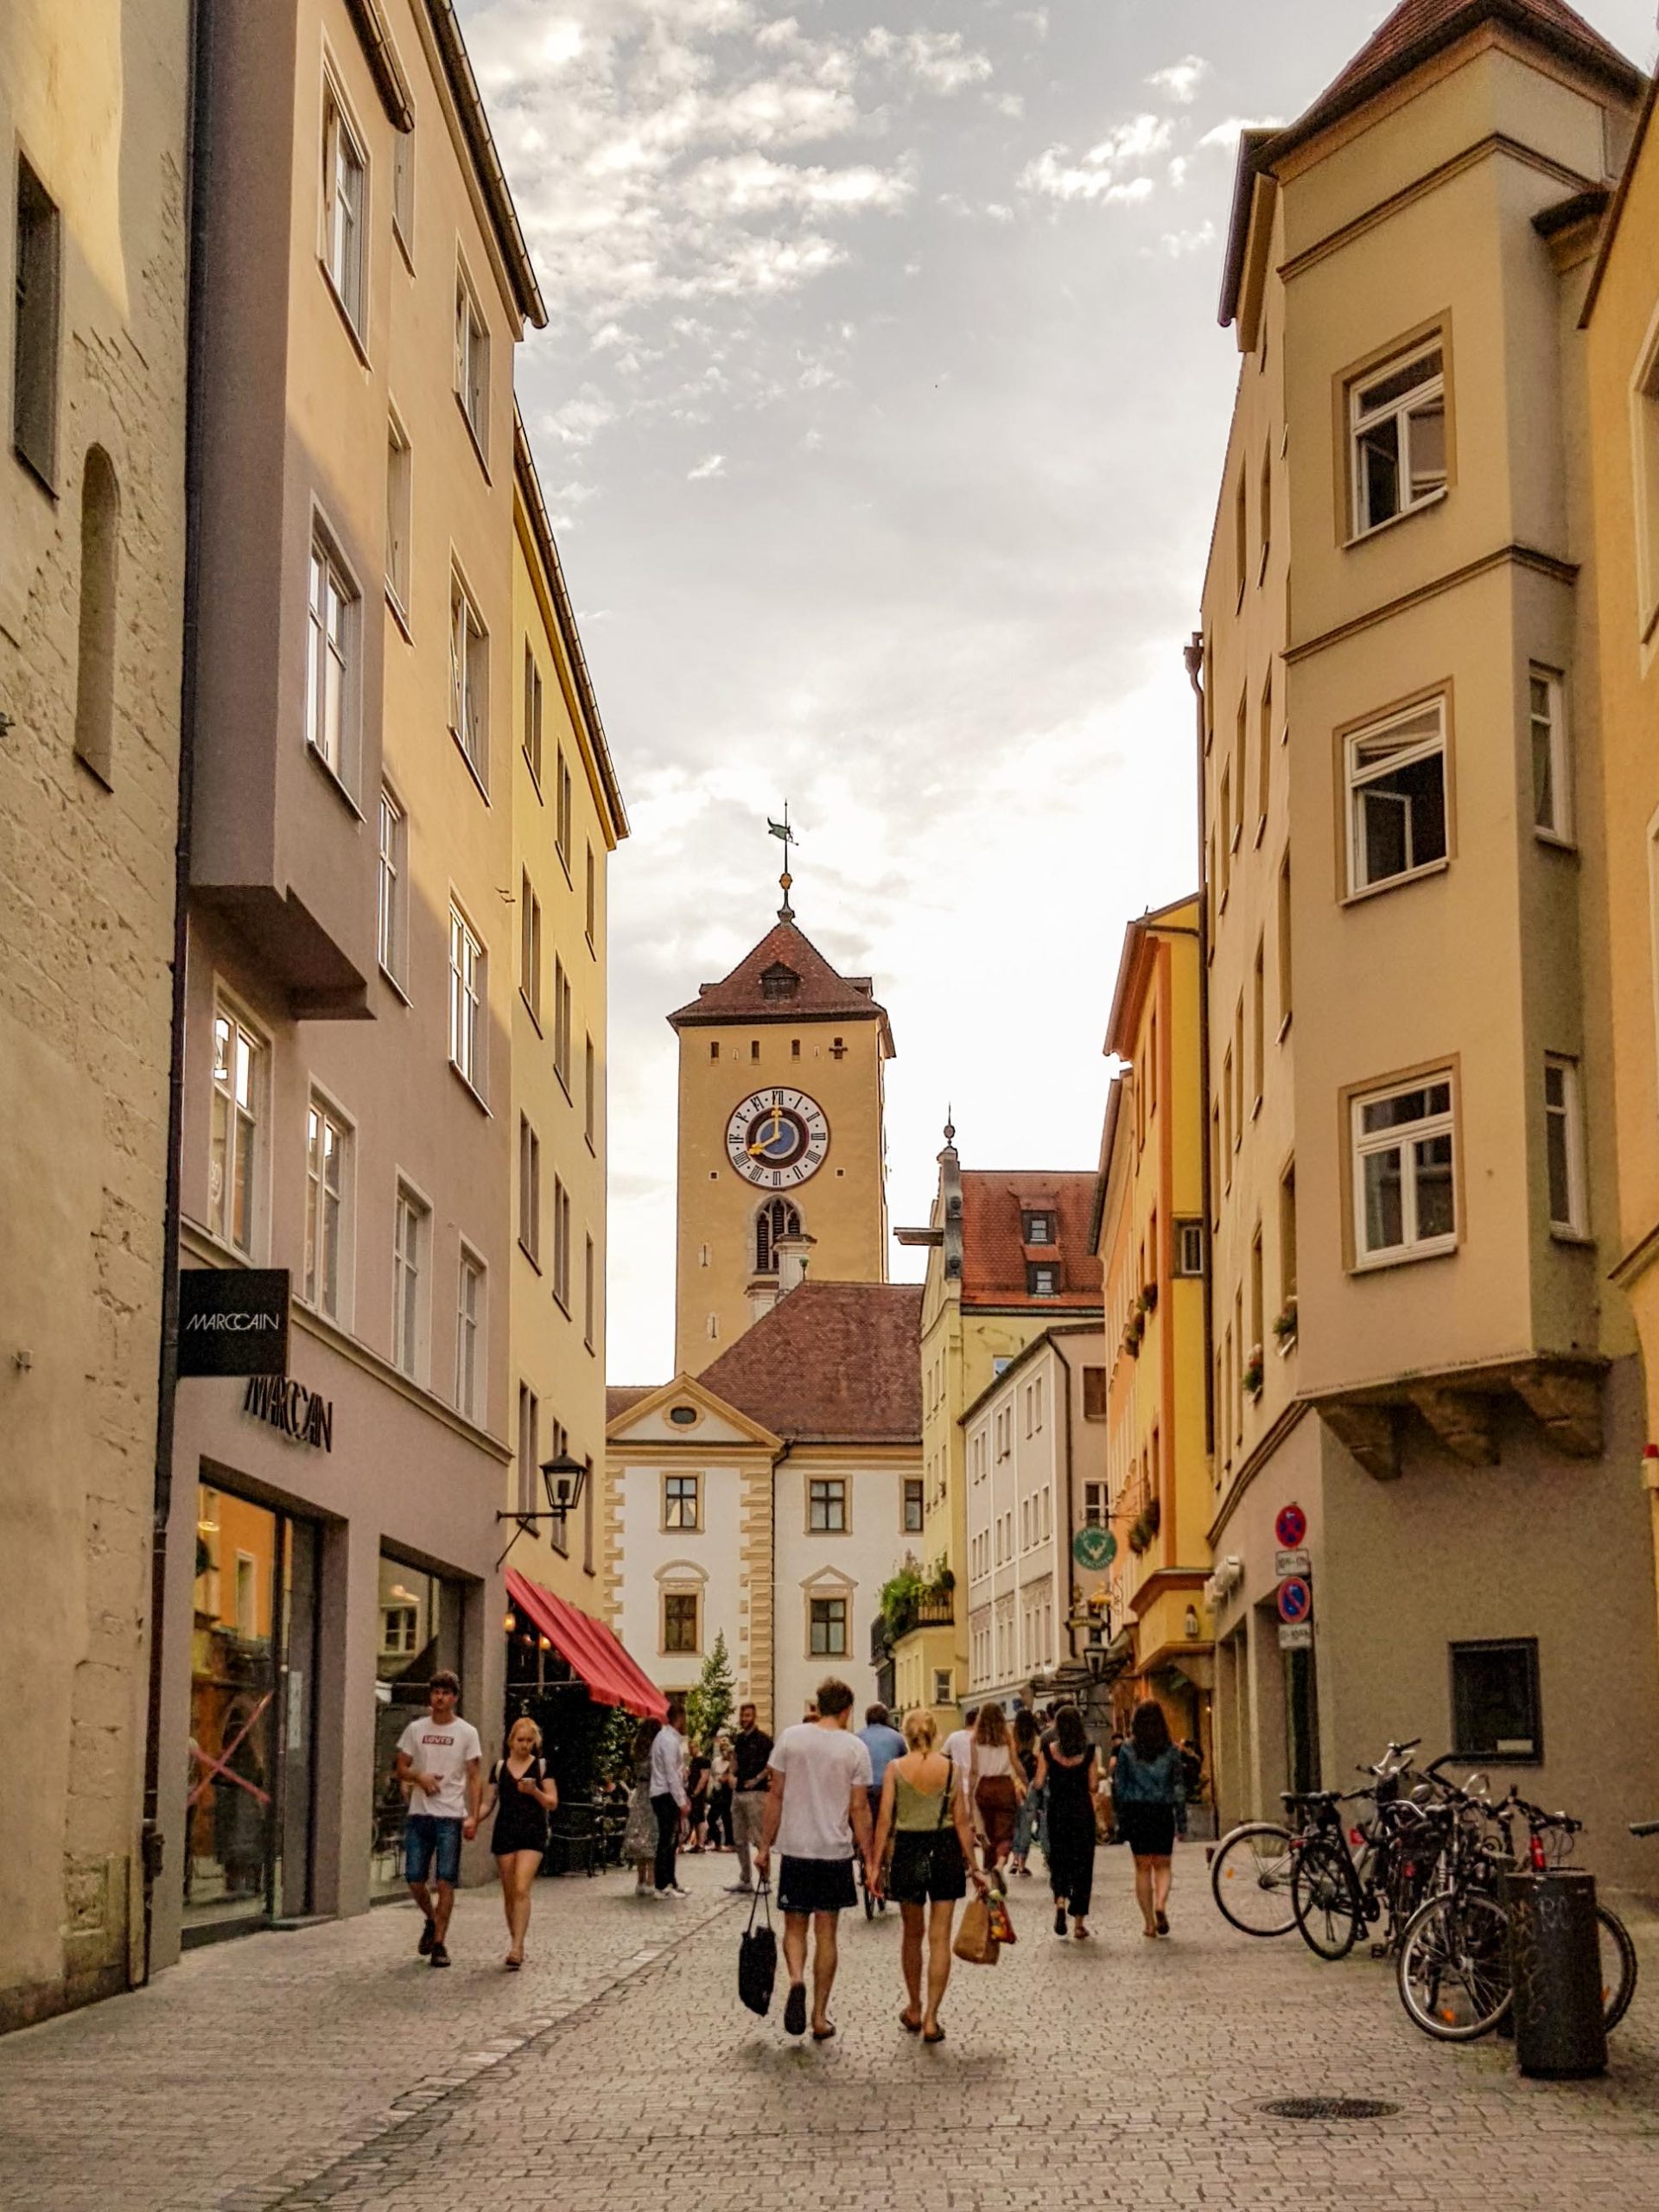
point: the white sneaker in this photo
(674, 1892)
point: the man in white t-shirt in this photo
(818, 1813)
(440, 1763)
(958, 1748)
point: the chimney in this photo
(793, 1254)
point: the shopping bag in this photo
(1001, 1918)
(757, 1958)
(976, 1944)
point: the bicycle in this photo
(1453, 1970)
(1251, 1868)
(1336, 1896)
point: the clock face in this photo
(776, 1139)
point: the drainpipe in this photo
(1192, 655)
(1070, 1525)
(201, 114)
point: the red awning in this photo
(589, 1648)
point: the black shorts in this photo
(1149, 1830)
(927, 1867)
(815, 1886)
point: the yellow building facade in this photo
(781, 1138)
(1152, 1246)
(568, 818)
(1621, 325)
(1008, 1257)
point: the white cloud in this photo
(1176, 243)
(713, 465)
(1226, 134)
(579, 421)
(938, 60)
(742, 184)
(1181, 78)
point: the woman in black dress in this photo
(1065, 1766)
(522, 1794)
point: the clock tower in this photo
(781, 1139)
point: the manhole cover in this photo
(1327, 2108)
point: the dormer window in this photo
(1036, 1229)
(1042, 1279)
(779, 982)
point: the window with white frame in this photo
(532, 713)
(1551, 783)
(562, 1243)
(411, 1230)
(1405, 1194)
(530, 947)
(1396, 416)
(826, 1505)
(393, 886)
(330, 663)
(682, 1502)
(827, 1638)
(469, 1337)
(345, 209)
(529, 1191)
(471, 361)
(470, 679)
(399, 499)
(1396, 795)
(1569, 1212)
(327, 1146)
(529, 1427)
(398, 1630)
(235, 1161)
(561, 1013)
(912, 1505)
(467, 1001)
(403, 191)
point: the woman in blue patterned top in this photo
(1149, 1783)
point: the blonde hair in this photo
(919, 1729)
(525, 1721)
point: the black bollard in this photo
(1556, 1965)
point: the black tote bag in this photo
(757, 1958)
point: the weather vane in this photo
(786, 913)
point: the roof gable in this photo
(644, 1416)
(994, 1206)
(784, 978)
(832, 1363)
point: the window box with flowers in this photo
(1133, 1330)
(1254, 1372)
(1148, 1299)
(1284, 1325)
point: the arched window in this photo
(101, 519)
(775, 1219)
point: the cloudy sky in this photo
(879, 414)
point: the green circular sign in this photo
(1094, 1548)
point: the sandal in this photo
(1081, 1933)
(1163, 1924)
(910, 2027)
(511, 1964)
(935, 2034)
(823, 2034)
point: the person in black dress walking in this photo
(1066, 1768)
(522, 1794)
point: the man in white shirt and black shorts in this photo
(818, 1815)
(440, 1761)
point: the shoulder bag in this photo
(757, 1957)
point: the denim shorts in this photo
(427, 1838)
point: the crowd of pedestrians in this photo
(928, 1821)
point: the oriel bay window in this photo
(1552, 790)
(331, 652)
(1396, 772)
(1569, 1212)
(234, 1162)
(1397, 437)
(467, 1001)
(1405, 1194)
(326, 1141)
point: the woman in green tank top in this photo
(925, 1815)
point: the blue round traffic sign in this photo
(1295, 1599)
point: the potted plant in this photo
(1284, 1325)
(1254, 1371)
(1154, 1517)
(1149, 1297)
(1140, 1534)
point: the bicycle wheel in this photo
(1324, 1895)
(1617, 1967)
(1453, 1969)
(1249, 1877)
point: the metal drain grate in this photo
(1327, 2108)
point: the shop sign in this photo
(1094, 1548)
(305, 1415)
(234, 1322)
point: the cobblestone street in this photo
(330, 2066)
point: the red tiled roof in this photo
(819, 988)
(831, 1363)
(1418, 28)
(619, 1396)
(993, 1252)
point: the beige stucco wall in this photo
(96, 97)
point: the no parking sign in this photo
(1295, 1599)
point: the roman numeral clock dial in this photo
(777, 1139)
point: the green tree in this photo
(708, 1706)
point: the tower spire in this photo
(785, 881)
